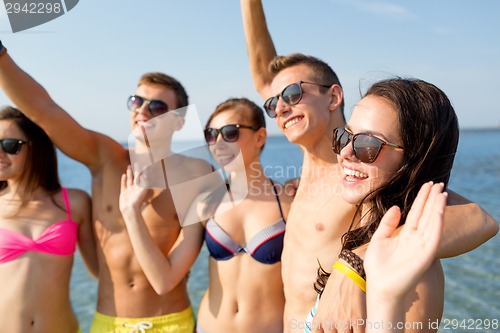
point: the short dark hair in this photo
(321, 71)
(170, 82)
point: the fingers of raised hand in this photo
(430, 225)
(418, 206)
(130, 176)
(388, 224)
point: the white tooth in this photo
(145, 124)
(291, 122)
(354, 173)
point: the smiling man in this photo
(305, 97)
(126, 298)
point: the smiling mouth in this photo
(354, 173)
(292, 122)
(144, 124)
(4, 165)
(226, 158)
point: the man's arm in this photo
(33, 100)
(260, 46)
(466, 226)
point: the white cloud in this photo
(389, 10)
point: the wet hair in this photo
(255, 116)
(157, 78)
(429, 132)
(40, 169)
(321, 72)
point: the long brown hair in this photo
(41, 163)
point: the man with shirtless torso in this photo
(125, 296)
(318, 216)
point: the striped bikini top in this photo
(265, 246)
(58, 239)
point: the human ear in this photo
(179, 122)
(337, 96)
(261, 136)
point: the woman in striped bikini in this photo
(245, 237)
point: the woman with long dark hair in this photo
(401, 135)
(40, 225)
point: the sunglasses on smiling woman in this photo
(291, 95)
(229, 133)
(12, 146)
(155, 107)
(366, 147)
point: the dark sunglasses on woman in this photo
(12, 146)
(291, 95)
(366, 147)
(230, 133)
(155, 107)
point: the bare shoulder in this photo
(80, 203)
(77, 194)
(196, 166)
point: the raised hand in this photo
(132, 196)
(395, 263)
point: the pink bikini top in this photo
(59, 239)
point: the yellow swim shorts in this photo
(180, 322)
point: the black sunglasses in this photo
(12, 146)
(230, 133)
(155, 107)
(291, 95)
(366, 147)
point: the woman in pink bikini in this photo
(40, 224)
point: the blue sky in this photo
(90, 58)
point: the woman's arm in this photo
(163, 272)
(81, 207)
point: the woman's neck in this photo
(249, 179)
(15, 191)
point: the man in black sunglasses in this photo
(124, 290)
(305, 97)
